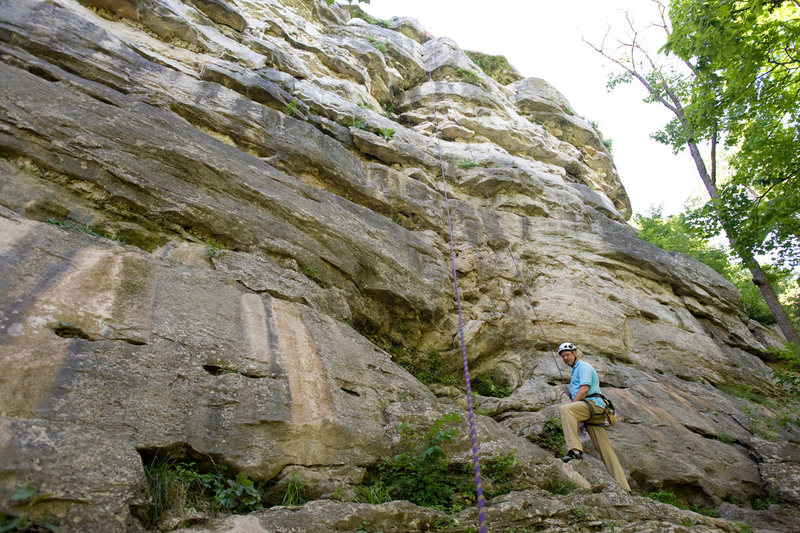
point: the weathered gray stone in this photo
(248, 241)
(783, 480)
(78, 476)
(222, 13)
(327, 516)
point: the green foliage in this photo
(311, 273)
(331, 2)
(360, 124)
(375, 494)
(26, 497)
(727, 439)
(427, 367)
(492, 384)
(29, 496)
(239, 495)
(357, 12)
(467, 163)
(386, 133)
(675, 233)
(379, 45)
(609, 144)
(580, 512)
(213, 249)
(389, 108)
(559, 486)
(747, 86)
(177, 486)
(83, 228)
(470, 76)
(496, 67)
(665, 496)
(290, 109)
(743, 391)
(787, 369)
(499, 469)
(552, 437)
(364, 105)
(422, 473)
(295, 492)
(762, 504)
(146, 240)
(14, 523)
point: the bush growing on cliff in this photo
(493, 384)
(423, 474)
(787, 368)
(181, 487)
(551, 437)
(496, 67)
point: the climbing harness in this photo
(610, 410)
(472, 431)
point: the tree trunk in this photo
(759, 276)
(781, 317)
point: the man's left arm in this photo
(582, 392)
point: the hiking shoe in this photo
(572, 454)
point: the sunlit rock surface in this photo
(215, 217)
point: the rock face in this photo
(223, 229)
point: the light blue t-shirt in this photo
(584, 374)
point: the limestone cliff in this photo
(223, 235)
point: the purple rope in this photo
(472, 431)
(508, 246)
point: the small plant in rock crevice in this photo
(388, 108)
(311, 273)
(551, 437)
(212, 250)
(727, 439)
(787, 367)
(23, 498)
(493, 384)
(180, 486)
(380, 46)
(423, 473)
(496, 67)
(470, 76)
(290, 109)
(360, 124)
(668, 497)
(764, 503)
(467, 163)
(559, 486)
(83, 228)
(387, 133)
(295, 492)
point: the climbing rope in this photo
(508, 248)
(472, 431)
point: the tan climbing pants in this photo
(571, 414)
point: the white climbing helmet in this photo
(566, 346)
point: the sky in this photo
(543, 39)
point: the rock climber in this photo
(590, 407)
